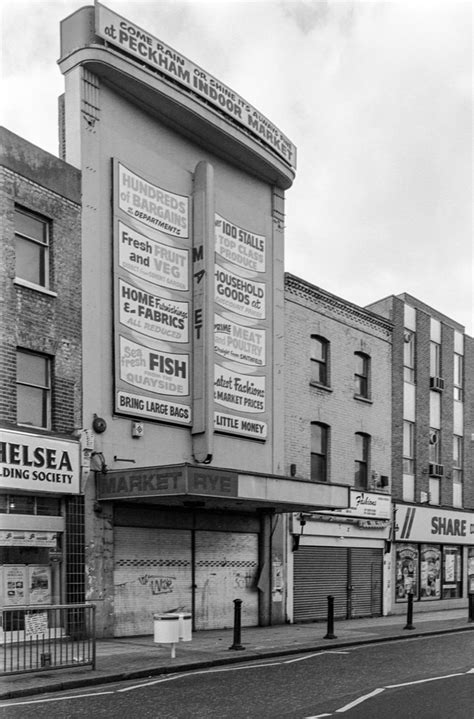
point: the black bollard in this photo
(471, 608)
(409, 624)
(237, 624)
(330, 633)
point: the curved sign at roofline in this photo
(150, 51)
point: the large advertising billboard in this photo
(241, 291)
(152, 299)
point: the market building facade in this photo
(41, 538)
(182, 263)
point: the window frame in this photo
(409, 356)
(362, 379)
(322, 456)
(458, 377)
(434, 451)
(45, 388)
(361, 464)
(435, 359)
(42, 245)
(408, 447)
(458, 449)
(321, 377)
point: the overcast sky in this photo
(377, 97)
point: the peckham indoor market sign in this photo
(150, 51)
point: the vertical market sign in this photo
(240, 329)
(152, 299)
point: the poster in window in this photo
(40, 584)
(406, 571)
(430, 574)
(470, 570)
(15, 585)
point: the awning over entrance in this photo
(211, 488)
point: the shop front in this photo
(195, 539)
(342, 553)
(38, 473)
(434, 557)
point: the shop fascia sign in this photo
(426, 524)
(153, 53)
(364, 505)
(38, 463)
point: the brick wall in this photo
(349, 329)
(46, 322)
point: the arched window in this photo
(361, 462)
(319, 360)
(319, 452)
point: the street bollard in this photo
(471, 608)
(409, 624)
(237, 624)
(330, 633)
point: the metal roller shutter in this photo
(366, 580)
(319, 572)
(226, 569)
(152, 574)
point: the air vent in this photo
(437, 384)
(436, 470)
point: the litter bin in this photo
(166, 628)
(185, 627)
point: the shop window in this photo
(33, 377)
(41, 505)
(31, 247)
(21, 504)
(361, 463)
(406, 571)
(48, 506)
(408, 447)
(452, 572)
(361, 374)
(430, 571)
(319, 452)
(409, 356)
(319, 360)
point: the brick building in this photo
(41, 540)
(432, 459)
(338, 430)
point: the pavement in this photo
(139, 657)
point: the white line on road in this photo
(360, 700)
(310, 656)
(423, 681)
(55, 699)
(318, 716)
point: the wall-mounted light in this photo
(293, 470)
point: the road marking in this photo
(318, 716)
(360, 700)
(423, 681)
(55, 699)
(310, 656)
(196, 673)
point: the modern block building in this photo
(338, 430)
(432, 457)
(41, 538)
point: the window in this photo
(361, 374)
(33, 389)
(31, 247)
(319, 452)
(452, 572)
(361, 464)
(458, 376)
(430, 571)
(457, 459)
(319, 360)
(435, 359)
(409, 356)
(434, 450)
(408, 448)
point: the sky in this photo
(377, 97)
